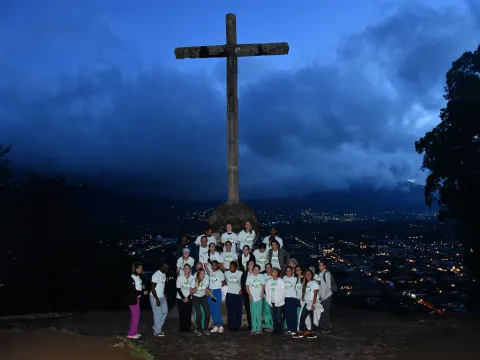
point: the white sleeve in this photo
(198, 240)
(179, 262)
(157, 277)
(265, 240)
(280, 241)
(179, 284)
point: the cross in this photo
(231, 50)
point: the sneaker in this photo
(197, 332)
(138, 335)
(268, 330)
(161, 334)
(253, 332)
(133, 337)
(221, 329)
(311, 336)
(215, 329)
(298, 336)
(206, 332)
(325, 331)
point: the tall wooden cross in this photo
(231, 50)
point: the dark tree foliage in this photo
(51, 258)
(451, 154)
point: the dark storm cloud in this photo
(164, 131)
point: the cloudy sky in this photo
(91, 89)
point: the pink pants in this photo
(134, 318)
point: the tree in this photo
(5, 169)
(451, 154)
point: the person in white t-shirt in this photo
(309, 297)
(275, 296)
(273, 235)
(203, 249)
(233, 278)
(247, 236)
(256, 289)
(228, 256)
(217, 281)
(158, 300)
(267, 312)
(135, 290)
(209, 235)
(261, 256)
(185, 282)
(183, 260)
(210, 256)
(229, 235)
(291, 301)
(200, 301)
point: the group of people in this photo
(263, 279)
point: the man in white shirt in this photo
(247, 236)
(229, 235)
(158, 300)
(325, 293)
(203, 249)
(209, 235)
(273, 234)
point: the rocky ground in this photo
(357, 334)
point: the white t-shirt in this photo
(202, 287)
(185, 284)
(266, 241)
(181, 262)
(233, 281)
(227, 258)
(245, 260)
(299, 287)
(159, 278)
(275, 261)
(216, 279)
(210, 240)
(255, 286)
(245, 238)
(290, 286)
(202, 252)
(309, 291)
(214, 256)
(138, 282)
(260, 258)
(232, 237)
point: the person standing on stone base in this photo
(209, 235)
(158, 299)
(233, 278)
(255, 288)
(261, 256)
(203, 250)
(248, 272)
(227, 256)
(275, 295)
(229, 235)
(185, 282)
(247, 236)
(267, 313)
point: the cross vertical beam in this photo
(232, 109)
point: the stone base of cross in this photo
(236, 213)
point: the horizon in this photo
(93, 92)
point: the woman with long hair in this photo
(135, 289)
(211, 255)
(309, 297)
(246, 297)
(185, 282)
(200, 302)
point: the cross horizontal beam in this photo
(241, 50)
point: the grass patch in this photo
(137, 350)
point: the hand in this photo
(157, 302)
(251, 298)
(313, 307)
(185, 300)
(196, 282)
(145, 292)
(240, 292)
(262, 296)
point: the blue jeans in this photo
(234, 311)
(159, 314)
(290, 310)
(215, 307)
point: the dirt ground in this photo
(56, 345)
(356, 334)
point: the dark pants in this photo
(325, 323)
(277, 318)
(303, 316)
(290, 311)
(201, 303)
(234, 311)
(185, 315)
(246, 305)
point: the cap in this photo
(186, 250)
(293, 260)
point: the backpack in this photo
(333, 284)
